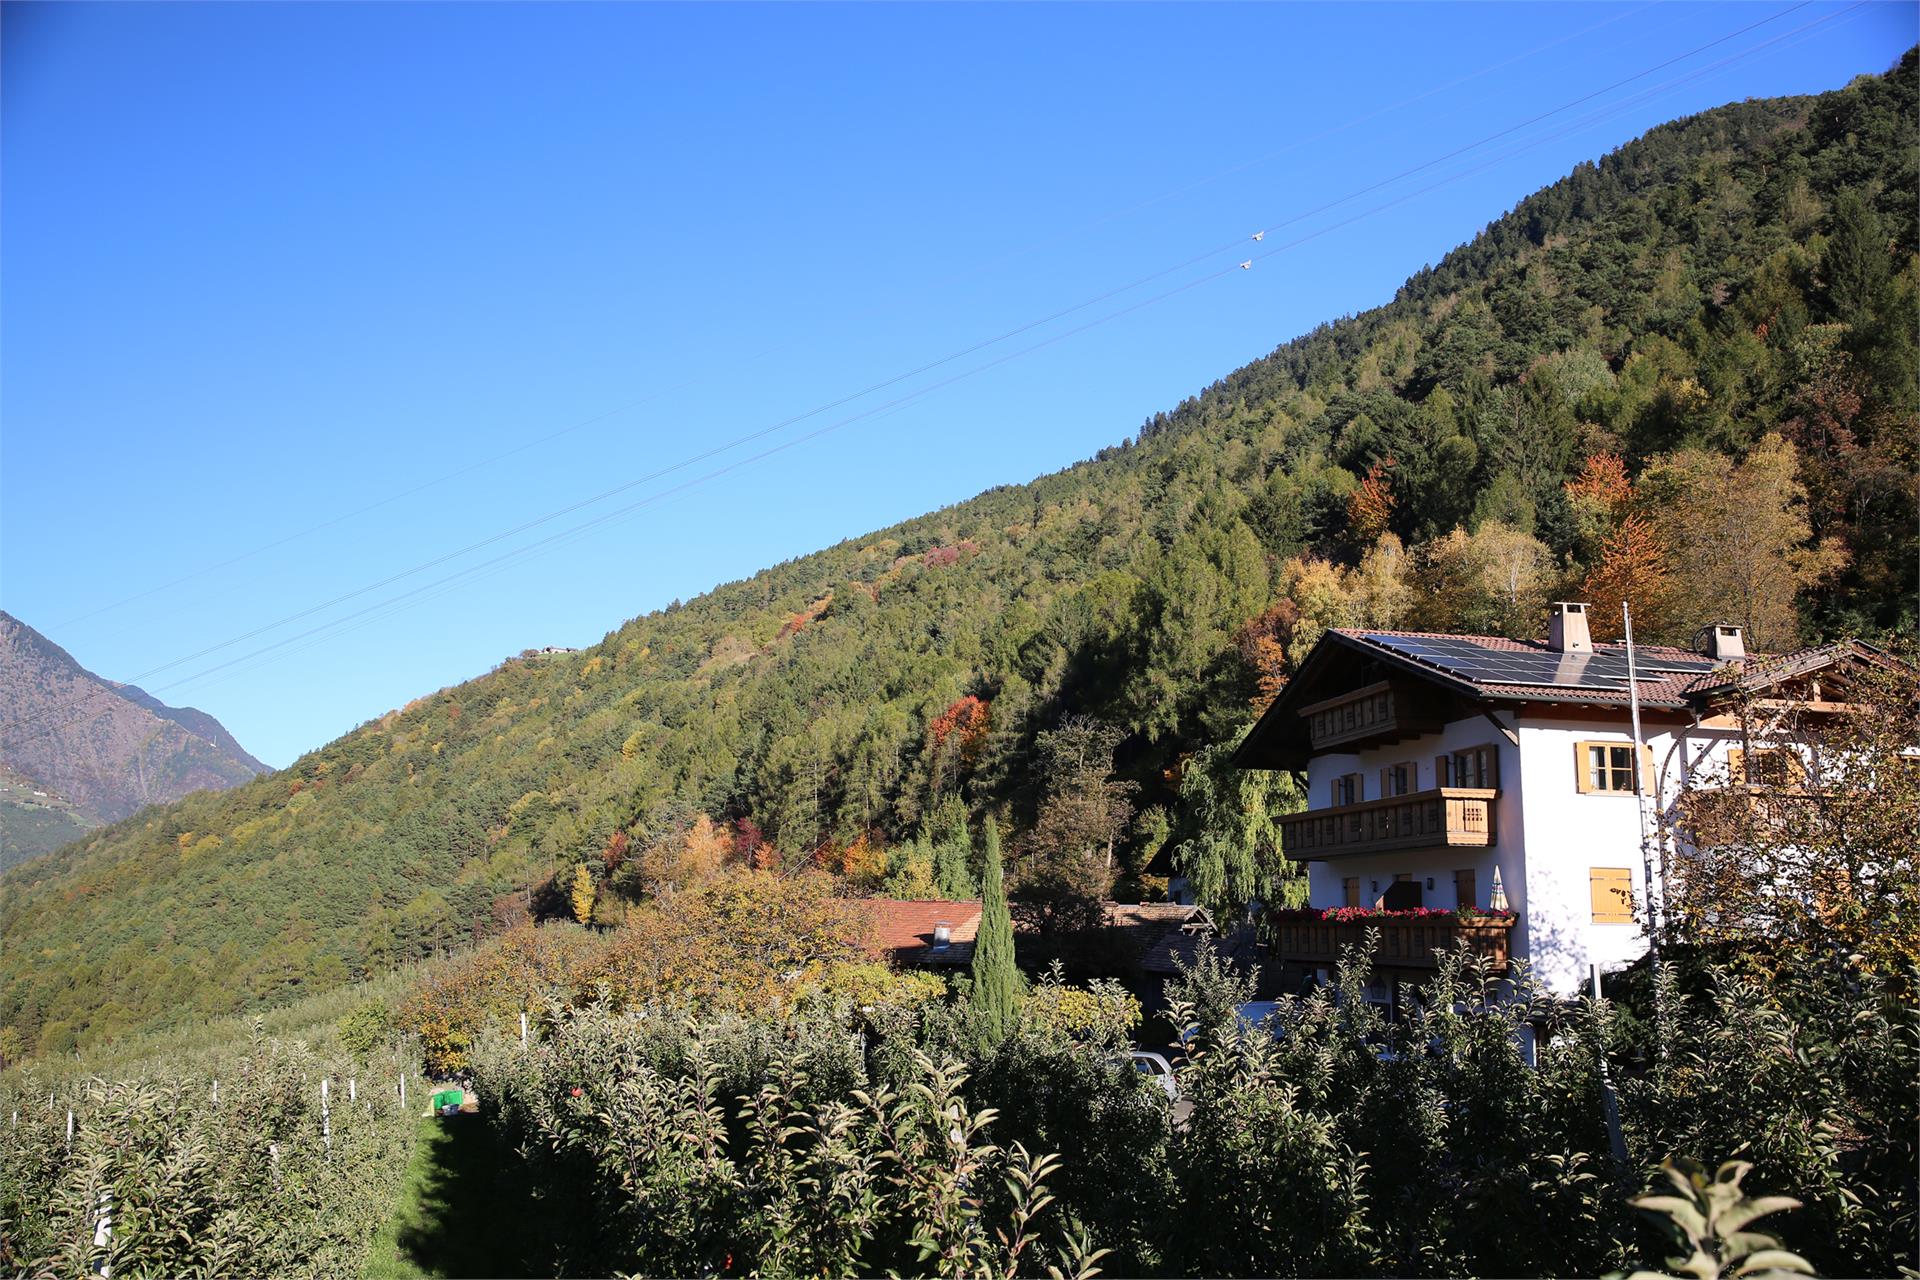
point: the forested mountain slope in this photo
(1685, 373)
(34, 820)
(108, 749)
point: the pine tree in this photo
(996, 980)
(945, 829)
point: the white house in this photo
(1438, 767)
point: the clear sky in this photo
(266, 266)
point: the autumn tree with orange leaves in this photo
(1371, 506)
(684, 859)
(959, 737)
(1262, 642)
(1632, 569)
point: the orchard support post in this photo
(103, 1234)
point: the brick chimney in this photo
(1567, 628)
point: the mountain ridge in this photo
(108, 749)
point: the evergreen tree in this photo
(996, 980)
(946, 830)
(1858, 266)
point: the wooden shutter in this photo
(1612, 889)
(1443, 771)
(1582, 766)
(1351, 887)
(1465, 893)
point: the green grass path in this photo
(461, 1214)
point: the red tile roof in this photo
(903, 929)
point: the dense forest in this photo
(1684, 375)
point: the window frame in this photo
(1401, 779)
(1792, 772)
(1486, 756)
(1583, 767)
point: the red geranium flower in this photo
(576, 1091)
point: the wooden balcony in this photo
(1442, 818)
(1379, 712)
(1712, 817)
(1402, 942)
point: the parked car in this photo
(1156, 1068)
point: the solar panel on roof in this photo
(1605, 672)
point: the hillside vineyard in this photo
(1685, 373)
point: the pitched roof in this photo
(903, 929)
(1181, 949)
(1494, 670)
(1155, 931)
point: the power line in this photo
(631, 405)
(928, 366)
(1323, 135)
(393, 604)
(498, 564)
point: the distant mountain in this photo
(92, 751)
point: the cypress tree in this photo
(996, 980)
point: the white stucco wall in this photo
(1548, 835)
(1325, 879)
(1573, 834)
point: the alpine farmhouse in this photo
(1477, 788)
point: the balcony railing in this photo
(1407, 943)
(1442, 818)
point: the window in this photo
(1403, 894)
(1397, 780)
(1464, 892)
(1612, 894)
(1348, 789)
(1470, 767)
(1605, 768)
(1351, 889)
(1766, 767)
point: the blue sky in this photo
(266, 266)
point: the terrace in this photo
(1404, 939)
